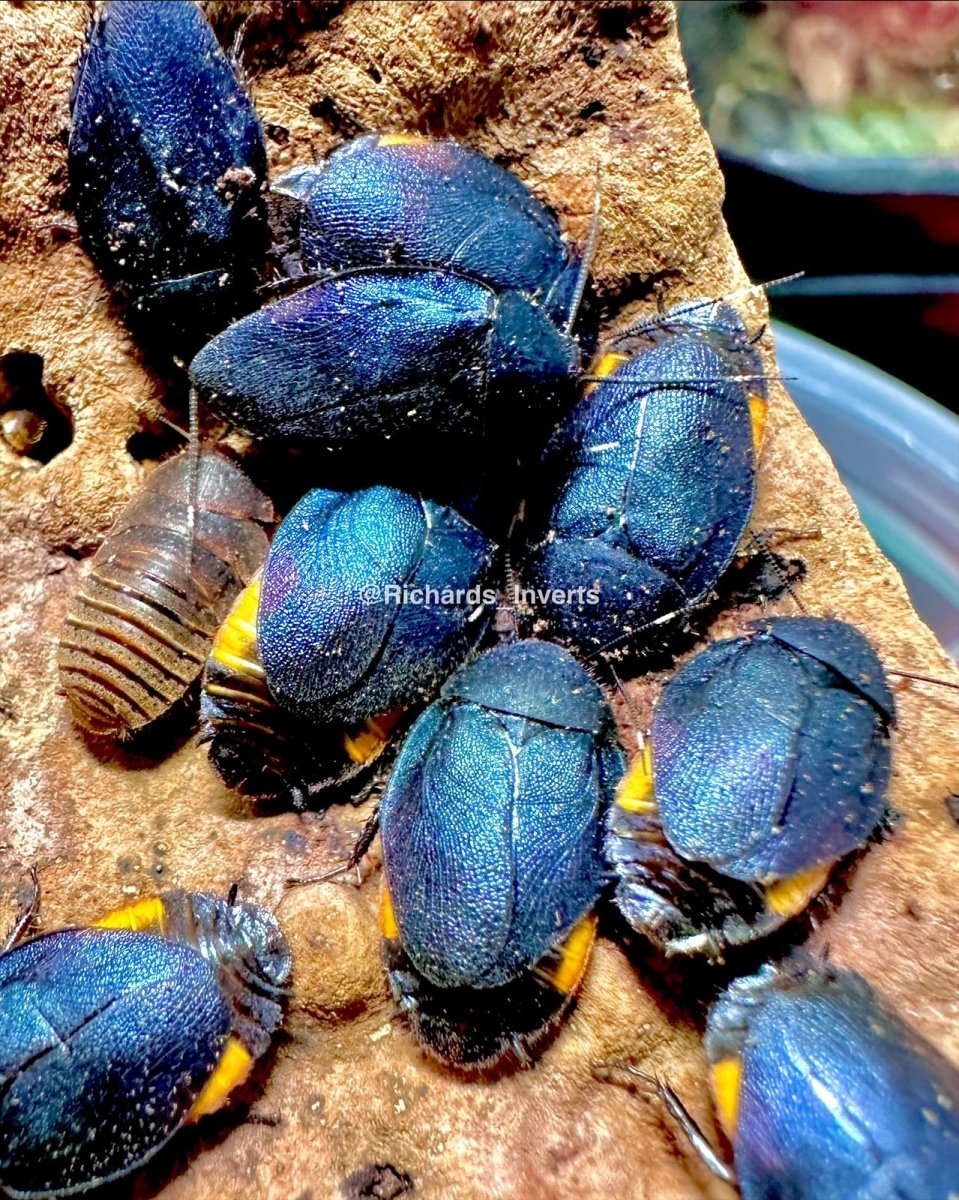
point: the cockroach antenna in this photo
(352, 861)
(26, 914)
(178, 429)
(512, 595)
(624, 638)
(639, 1082)
(667, 319)
(947, 683)
(630, 707)
(750, 289)
(769, 283)
(193, 450)
(236, 48)
(589, 252)
(302, 880)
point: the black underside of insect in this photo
(478, 1031)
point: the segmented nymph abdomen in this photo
(139, 630)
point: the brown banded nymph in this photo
(139, 629)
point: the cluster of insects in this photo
(429, 299)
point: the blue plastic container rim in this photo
(898, 453)
(856, 175)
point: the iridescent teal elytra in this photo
(492, 844)
(768, 760)
(826, 1094)
(650, 481)
(369, 600)
(112, 1037)
(391, 352)
(388, 198)
(167, 166)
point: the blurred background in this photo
(837, 126)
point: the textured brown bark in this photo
(556, 91)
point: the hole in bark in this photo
(32, 423)
(593, 109)
(614, 22)
(376, 1181)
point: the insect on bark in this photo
(139, 630)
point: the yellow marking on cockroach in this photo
(235, 644)
(574, 956)
(606, 366)
(388, 923)
(790, 895)
(364, 742)
(143, 916)
(232, 1070)
(726, 1077)
(758, 414)
(636, 791)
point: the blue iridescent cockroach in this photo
(369, 599)
(492, 841)
(767, 762)
(113, 1037)
(262, 749)
(396, 353)
(167, 166)
(825, 1093)
(393, 198)
(651, 480)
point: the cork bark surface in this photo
(347, 1106)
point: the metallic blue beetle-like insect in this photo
(767, 762)
(652, 479)
(264, 750)
(113, 1037)
(369, 599)
(492, 841)
(390, 352)
(167, 164)
(440, 334)
(387, 198)
(824, 1093)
